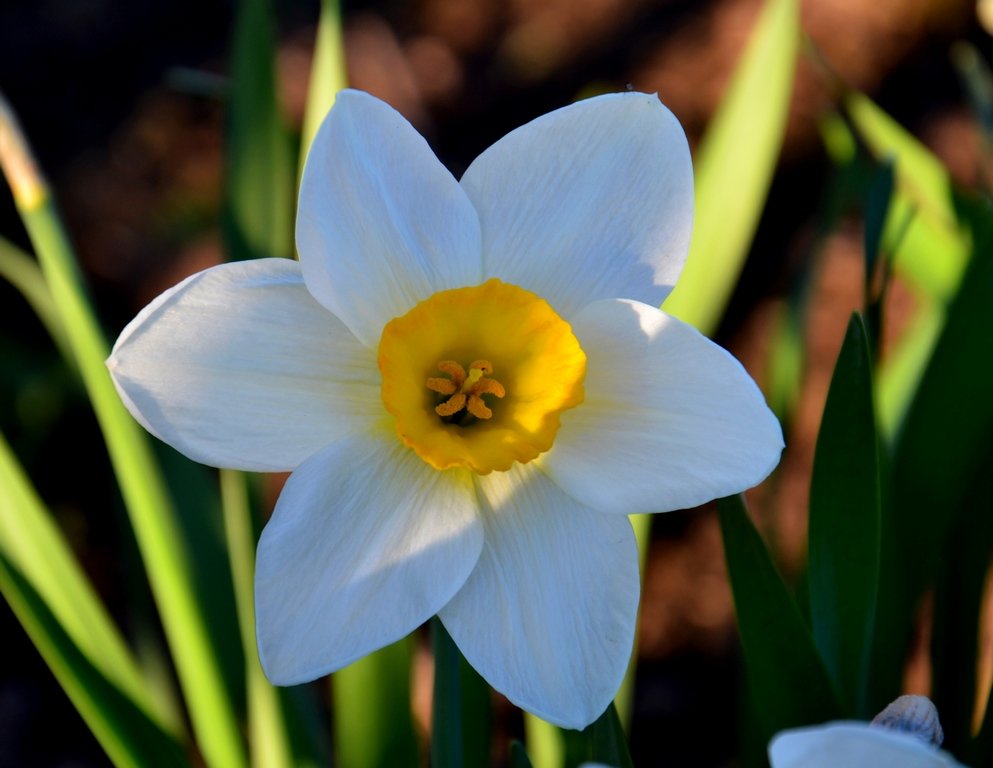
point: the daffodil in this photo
(854, 745)
(472, 385)
(906, 734)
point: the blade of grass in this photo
(32, 543)
(23, 272)
(269, 741)
(786, 676)
(163, 549)
(125, 731)
(327, 74)
(372, 721)
(734, 166)
(845, 509)
(258, 211)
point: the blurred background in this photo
(124, 105)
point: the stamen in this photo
(441, 386)
(477, 407)
(452, 405)
(466, 390)
(453, 369)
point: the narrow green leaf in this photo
(23, 272)
(269, 739)
(258, 208)
(845, 509)
(734, 166)
(545, 742)
(786, 676)
(958, 604)
(978, 80)
(152, 516)
(923, 234)
(327, 74)
(447, 747)
(932, 251)
(372, 721)
(602, 742)
(476, 715)
(32, 543)
(518, 756)
(125, 731)
(876, 207)
(943, 438)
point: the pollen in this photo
(478, 376)
(465, 391)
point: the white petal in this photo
(548, 615)
(853, 745)
(366, 543)
(239, 367)
(381, 224)
(670, 419)
(589, 202)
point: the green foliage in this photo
(258, 206)
(786, 675)
(943, 443)
(731, 181)
(845, 508)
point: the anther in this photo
(465, 390)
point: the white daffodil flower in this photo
(854, 745)
(473, 387)
(906, 734)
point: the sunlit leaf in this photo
(327, 73)
(734, 166)
(163, 549)
(32, 544)
(372, 723)
(125, 731)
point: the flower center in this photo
(454, 419)
(464, 392)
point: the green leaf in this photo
(603, 741)
(23, 272)
(958, 605)
(933, 252)
(877, 204)
(447, 741)
(734, 166)
(164, 551)
(545, 742)
(327, 74)
(32, 544)
(372, 722)
(789, 684)
(258, 209)
(845, 509)
(942, 442)
(125, 731)
(269, 743)
(518, 756)
(922, 232)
